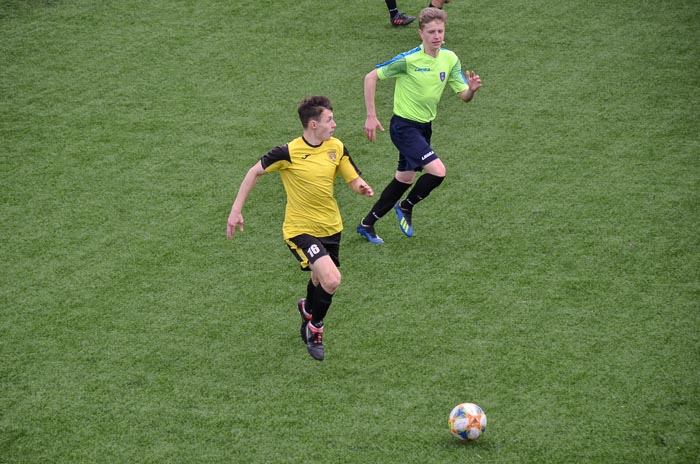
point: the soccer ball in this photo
(467, 421)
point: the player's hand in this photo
(234, 220)
(358, 185)
(371, 126)
(366, 190)
(473, 80)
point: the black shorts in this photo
(307, 249)
(413, 142)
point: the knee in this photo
(440, 171)
(331, 282)
(436, 168)
(405, 177)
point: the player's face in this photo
(432, 35)
(325, 125)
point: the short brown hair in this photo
(431, 14)
(312, 108)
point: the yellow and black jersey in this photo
(308, 174)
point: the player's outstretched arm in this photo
(360, 186)
(235, 218)
(371, 123)
(474, 83)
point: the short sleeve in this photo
(276, 159)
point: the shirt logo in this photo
(442, 76)
(422, 69)
(305, 156)
(332, 155)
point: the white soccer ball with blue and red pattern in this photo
(467, 421)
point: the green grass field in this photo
(554, 278)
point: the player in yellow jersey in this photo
(421, 77)
(308, 167)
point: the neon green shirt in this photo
(420, 81)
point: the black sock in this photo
(406, 205)
(425, 184)
(322, 301)
(391, 6)
(310, 290)
(391, 194)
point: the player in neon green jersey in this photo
(421, 76)
(308, 167)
